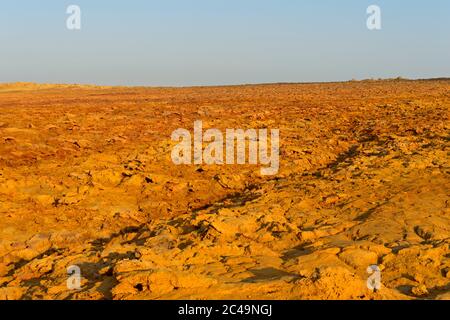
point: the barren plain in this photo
(86, 179)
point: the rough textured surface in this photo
(86, 179)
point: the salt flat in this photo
(86, 179)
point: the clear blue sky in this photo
(205, 42)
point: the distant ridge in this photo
(12, 86)
(435, 79)
(23, 86)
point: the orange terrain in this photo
(87, 180)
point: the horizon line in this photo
(37, 83)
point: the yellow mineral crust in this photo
(87, 180)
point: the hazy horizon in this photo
(206, 43)
(226, 84)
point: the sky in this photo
(215, 42)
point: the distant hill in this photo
(23, 86)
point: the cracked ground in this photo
(86, 179)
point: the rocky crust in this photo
(86, 179)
